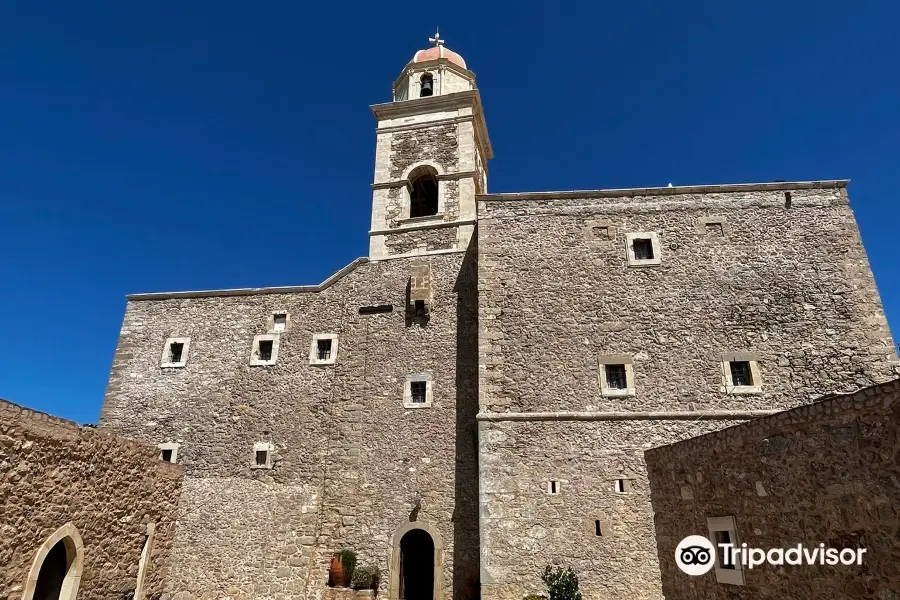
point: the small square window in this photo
(715, 230)
(168, 452)
(418, 392)
(323, 349)
(279, 322)
(265, 350)
(553, 487)
(616, 376)
(740, 374)
(175, 352)
(642, 249)
(262, 455)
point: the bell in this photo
(426, 88)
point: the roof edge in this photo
(664, 191)
(289, 289)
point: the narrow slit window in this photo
(623, 486)
(323, 349)
(787, 199)
(553, 487)
(643, 249)
(166, 455)
(418, 391)
(279, 321)
(740, 373)
(615, 377)
(176, 351)
(262, 458)
(597, 530)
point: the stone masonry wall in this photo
(827, 473)
(53, 472)
(791, 286)
(351, 464)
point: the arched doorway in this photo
(416, 566)
(417, 563)
(56, 571)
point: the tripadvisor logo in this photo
(695, 555)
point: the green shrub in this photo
(348, 563)
(562, 584)
(365, 578)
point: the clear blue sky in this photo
(163, 146)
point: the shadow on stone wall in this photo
(465, 514)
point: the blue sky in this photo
(151, 146)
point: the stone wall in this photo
(821, 473)
(54, 473)
(351, 464)
(790, 286)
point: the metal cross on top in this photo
(436, 40)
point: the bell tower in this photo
(431, 158)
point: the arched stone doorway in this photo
(417, 563)
(56, 570)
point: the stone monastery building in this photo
(473, 400)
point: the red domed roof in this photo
(436, 52)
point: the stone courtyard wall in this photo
(351, 464)
(826, 472)
(53, 472)
(788, 285)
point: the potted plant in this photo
(365, 578)
(340, 572)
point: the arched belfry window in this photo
(423, 194)
(427, 88)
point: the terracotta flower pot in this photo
(336, 572)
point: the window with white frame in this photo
(168, 452)
(616, 373)
(740, 374)
(642, 249)
(265, 350)
(279, 322)
(323, 349)
(623, 486)
(262, 455)
(723, 535)
(418, 391)
(175, 352)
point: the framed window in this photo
(265, 350)
(418, 391)
(616, 374)
(262, 455)
(740, 374)
(175, 352)
(553, 487)
(642, 249)
(168, 452)
(278, 322)
(623, 486)
(323, 349)
(722, 531)
(713, 227)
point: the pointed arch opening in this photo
(423, 191)
(55, 573)
(417, 563)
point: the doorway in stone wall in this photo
(56, 570)
(416, 566)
